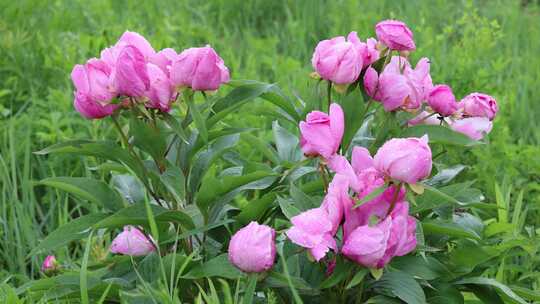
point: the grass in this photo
(489, 46)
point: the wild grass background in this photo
(491, 46)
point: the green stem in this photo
(329, 94)
(397, 190)
(136, 157)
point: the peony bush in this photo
(349, 203)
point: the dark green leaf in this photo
(250, 289)
(501, 288)
(353, 105)
(286, 143)
(439, 135)
(77, 229)
(444, 293)
(358, 277)
(129, 187)
(93, 190)
(147, 138)
(199, 120)
(236, 98)
(287, 208)
(103, 149)
(216, 267)
(175, 182)
(175, 126)
(137, 215)
(340, 273)
(402, 285)
(448, 228)
(256, 208)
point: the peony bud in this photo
(337, 60)
(442, 100)
(321, 133)
(395, 35)
(479, 105)
(253, 248)
(132, 242)
(201, 69)
(49, 264)
(405, 159)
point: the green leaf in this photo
(358, 277)
(262, 147)
(103, 149)
(439, 135)
(501, 288)
(449, 228)
(353, 105)
(137, 215)
(77, 229)
(250, 289)
(373, 194)
(216, 267)
(237, 97)
(256, 208)
(444, 293)
(468, 255)
(275, 96)
(287, 208)
(402, 285)
(92, 190)
(173, 179)
(129, 187)
(301, 200)
(423, 268)
(205, 158)
(147, 138)
(199, 120)
(457, 194)
(221, 190)
(340, 273)
(286, 143)
(175, 126)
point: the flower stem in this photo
(397, 190)
(329, 94)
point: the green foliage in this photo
(237, 166)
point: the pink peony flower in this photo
(131, 75)
(474, 127)
(399, 86)
(312, 229)
(479, 105)
(321, 133)
(253, 248)
(94, 89)
(426, 118)
(132, 242)
(442, 100)
(338, 60)
(164, 59)
(367, 51)
(201, 69)
(49, 264)
(405, 159)
(161, 92)
(395, 35)
(138, 41)
(375, 245)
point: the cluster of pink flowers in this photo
(379, 229)
(132, 71)
(399, 86)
